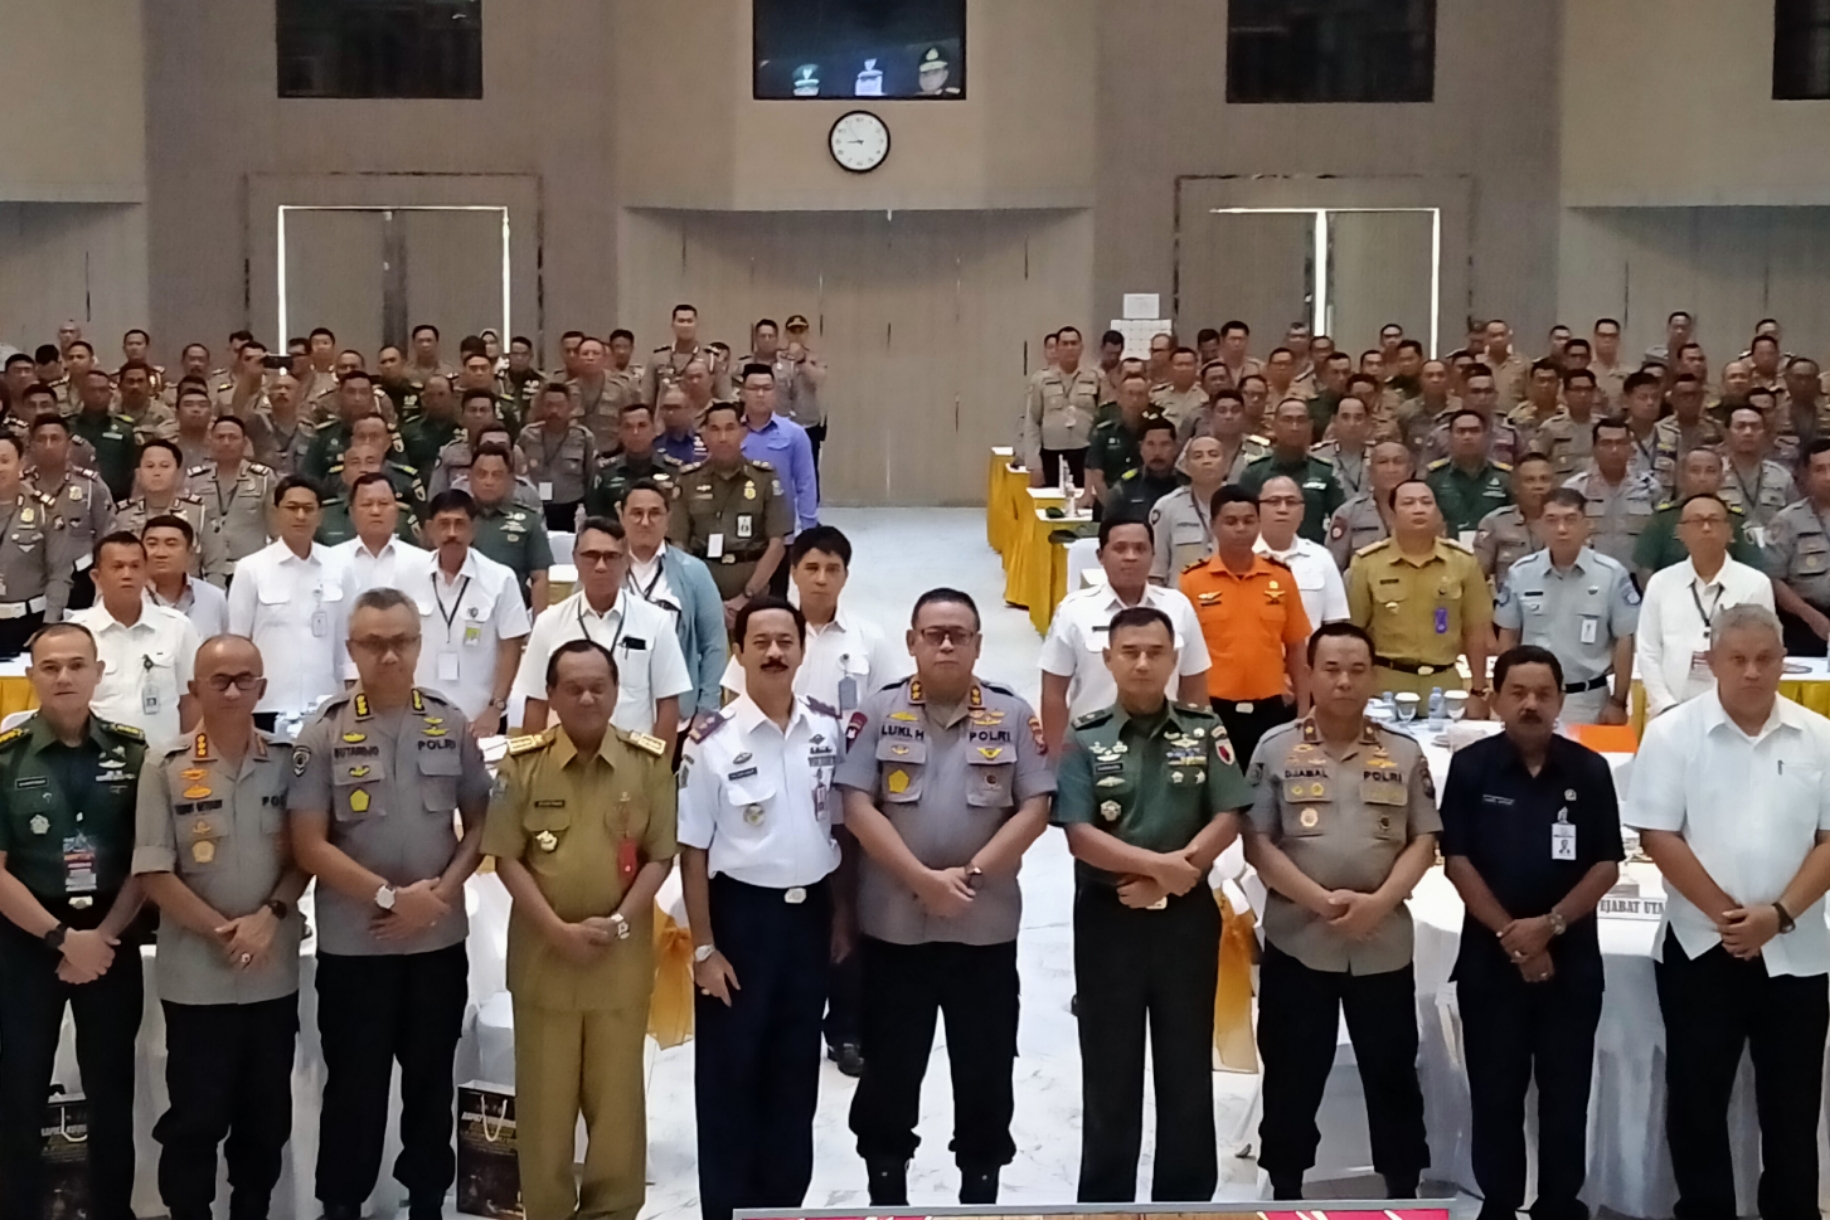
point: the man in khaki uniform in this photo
(1059, 412)
(1798, 557)
(1752, 482)
(235, 493)
(581, 824)
(160, 480)
(280, 438)
(1183, 396)
(667, 366)
(1508, 534)
(1510, 369)
(1363, 520)
(731, 512)
(80, 504)
(1621, 500)
(1424, 602)
(1567, 438)
(598, 393)
(559, 455)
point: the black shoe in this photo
(426, 1211)
(1286, 1188)
(1074, 1005)
(889, 1183)
(1401, 1186)
(978, 1186)
(850, 1058)
(343, 1211)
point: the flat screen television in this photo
(847, 49)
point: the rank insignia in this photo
(749, 491)
(355, 738)
(1310, 818)
(200, 829)
(359, 800)
(196, 792)
(990, 752)
(898, 782)
(433, 733)
(904, 716)
(741, 759)
(1208, 599)
(203, 851)
(899, 751)
(359, 772)
(26, 516)
(41, 825)
(1110, 781)
(192, 773)
(1109, 810)
(753, 814)
(1175, 777)
(547, 840)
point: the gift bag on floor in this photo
(488, 1177)
(65, 1143)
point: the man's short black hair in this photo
(1140, 616)
(425, 326)
(1569, 497)
(735, 410)
(292, 481)
(452, 500)
(1340, 631)
(326, 331)
(1111, 338)
(1391, 497)
(240, 425)
(1112, 521)
(757, 368)
(49, 419)
(117, 538)
(602, 525)
(1156, 423)
(1235, 325)
(1467, 413)
(1539, 366)
(1640, 380)
(572, 648)
(369, 480)
(945, 596)
(1575, 375)
(47, 353)
(18, 358)
(1207, 335)
(1230, 493)
(827, 539)
(1526, 654)
(622, 333)
(657, 489)
(758, 605)
(171, 521)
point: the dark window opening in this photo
(1801, 50)
(1331, 51)
(380, 48)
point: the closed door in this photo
(1380, 271)
(1256, 267)
(335, 262)
(452, 273)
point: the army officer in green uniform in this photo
(1467, 484)
(582, 828)
(511, 534)
(1136, 491)
(68, 932)
(731, 512)
(1290, 432)
(1149, 792)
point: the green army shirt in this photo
(605, 496)
(1136, 493)
(1153, 782)
(117, 451)
(1465, 497)
(1321, 492)
(514, 535)
(424, 437)
(67, 817)
(1113, 451)
(1659, 547)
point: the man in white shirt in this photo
(1280, 508)
(1075, 679)
(376, 558)
(651, 671)
(846, 657)
(471, 616)
(666, 576)
(146, 650)
(288, 598)
(170, 547)
(1728, 794)
(1671, 651)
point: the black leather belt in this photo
(1583, 688)
(1414, 667)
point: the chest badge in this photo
(753, 814)
(41, 825)
(1109, 810)
(898, 782)
(192, 773)
(203, 851)
(749, 491)
(1310, 818)
(196, 792)
(359, 772)
(991, 752)
(359, 800)
(355, 738)
(547, 840)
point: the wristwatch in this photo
(704, 953)
(1786, 922)
(1558, 924)
(622, 928)
(499, 704)
(1480, 692)
(54, 939)
(384, 897)
(280, 910)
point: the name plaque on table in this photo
(1617, 905)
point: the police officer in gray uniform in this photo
(1058, 415)
(35, 560)
(1798, 557)
(81, 505)
(561, 456)
(210, 847)
(945, 788)
(235, 495)
(1578, 604)
(1361, 521)
(376, 778)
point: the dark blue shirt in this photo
(1499, 815)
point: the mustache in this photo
(774, 665)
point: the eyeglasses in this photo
(1714, 523)
(381, 646)
(597, 559)
(1281, 501)
(220, 683)
(935, 637)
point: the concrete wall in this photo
(1489, 138)
(85, 261)
(75, 130)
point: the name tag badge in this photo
(1591, 629)
(447, 665)
(1442, 620)
(79, 865)
(320, 624)
(1699, 665)
(473, 635)
(149, 700)
(546, 491)
(746, 525)
(848, 694)
(1562, 841)
(714, 546)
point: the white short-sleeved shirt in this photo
(146, 667)
(1318, 579)
(640, 635)
(364, 569)
(847, 656)
(203, 603)
(1749, 807)
(295, 612)
(759, 801)
(1674, 618)
(461, 622)
(1076, 643)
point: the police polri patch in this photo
(301, 759)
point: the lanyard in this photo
(1750, 501)
(1649, 453)
(547, 455)
(451, 614)
(222, 507)
(647, 594)
(1709, 616)
(622, 620)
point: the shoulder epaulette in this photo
(1737, 510)
(187, 497)
(328, 424)
(1001, 689)
(121, 730)
(1323, 458)
(824, 709)
(1196, 709)
(1439, 464)
(1259, 440)
(1370, 547)
(1505, 466)
(1092, 718)
(646, 743)
(1199, 563)
(692, 468)
(763, 466)
(712, 724)
(257, 468)
(1456, 544)
(203, 469)
(1129, 475)
(15, 733)
(525, 745)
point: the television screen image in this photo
(913, 50)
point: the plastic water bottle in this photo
(1436, 707)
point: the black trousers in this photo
(16, 633)
(1299, 1013)
(1076, 460)
(1714, 1005)
(228, 1070)
(844, 987)
(756, 1072)
(107, 1012)
(372, 1013)
(816, 437)
(1246, 728)
(974, 987)
(82, 590)
(562, 518)
(1136, 970)
(1801, 641)
(1511, 1031)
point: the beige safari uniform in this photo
(1343, 821)
(1179, 405)
(36, 558)
(1414, 418)
(1058, 412)
(1183, 534)
(1416, 612)
(153, 420)
(602, 413)
(1673, 444)
(280, 449)
(1355, 526)
(560, 470)
(1510, 378)
(1349, 468)
(1798, 552)
(1617, 515)
(1501, 540)
(1759, 494)
(583, 826)
(1569, 443)
(132, 516)
(742, 509)
(234, 515)
(666, 365)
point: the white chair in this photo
(14, 719)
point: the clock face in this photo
(860, 141)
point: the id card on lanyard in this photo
(447, 653)
(1699, 661)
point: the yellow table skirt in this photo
(1235, 1047)
(1005, 501)
(16, 696)
(1813, 696)
(670, 1008)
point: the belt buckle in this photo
(1161, 904)
(81, 902)
(1424, 671)
(729, 559)
(1244, 709)
(795, 895)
